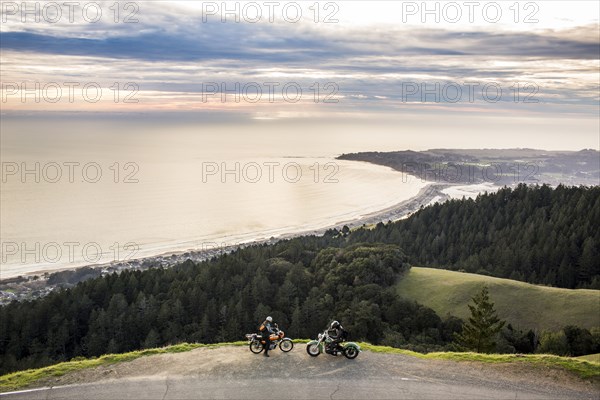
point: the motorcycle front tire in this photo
(286, 345)
(313, 350)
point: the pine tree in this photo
(483, 325)
(152, 340)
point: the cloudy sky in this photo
(373, 60)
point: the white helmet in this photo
(335, 324)
(270, 319)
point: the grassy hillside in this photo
(522, 304)
(591, 357)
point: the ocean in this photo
(78, 193)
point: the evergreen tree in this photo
(152, 340)
(538, 234)
(534, 234)
(479, 332)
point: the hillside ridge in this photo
(522, 304)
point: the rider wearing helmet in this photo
(336, 332)
(266, 329)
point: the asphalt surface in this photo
(235, 373)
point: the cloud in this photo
(278, 43)
(171, 55)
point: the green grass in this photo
(20, 379)
(584, 369)
(591, 357)
(521, 304)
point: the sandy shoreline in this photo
(25, 286)
(397, 211)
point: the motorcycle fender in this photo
(315, 342)
(352, 344)
(287, 338)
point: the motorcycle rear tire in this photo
(350, 352)
(256, 346)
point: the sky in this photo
(531, 65)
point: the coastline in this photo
(39, 283)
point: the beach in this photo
(39, 283)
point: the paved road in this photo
(234, 373)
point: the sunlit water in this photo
(163, 190)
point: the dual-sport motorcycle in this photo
(324, 344)
(255, 341)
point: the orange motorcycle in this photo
(278, 338)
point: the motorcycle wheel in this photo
(286, 345)
(350, 352)
(256, 346)
(313, 350)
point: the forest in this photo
(221, 300)
(534, 234)
(538, 234)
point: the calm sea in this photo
(76, 193)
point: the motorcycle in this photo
(255, 341)
(323, 343)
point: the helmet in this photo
(270, 319)
(335, 324)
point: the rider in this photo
(336, 332)
(266, 329)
